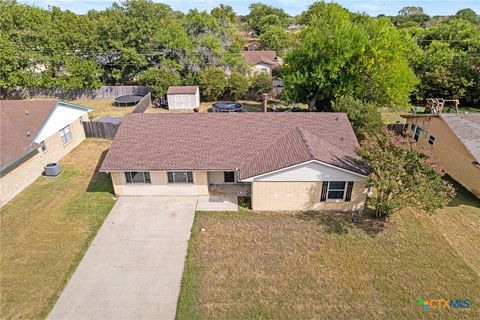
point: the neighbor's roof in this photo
(256, 57)
(254, 143)
(21, 120)
(466, 126)
(182, 90)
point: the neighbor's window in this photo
(138, 177)
(431, 140)
(416, 133)
(180, 177)
(65, 134)
(264, 70)
(229, 176)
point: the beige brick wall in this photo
(160, 186)
(449, 151)
(18, 179)
(278, 196)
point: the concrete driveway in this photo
(134, 266)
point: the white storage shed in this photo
(183, 97)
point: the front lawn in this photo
(46, 230)
(320, 266)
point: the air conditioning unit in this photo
(52, 169)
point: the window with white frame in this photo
(138, 177)
(431, 140)
(180, 177)
(65, 135)
(336, 190)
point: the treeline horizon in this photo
(141, 42)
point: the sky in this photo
(293, 7)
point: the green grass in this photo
(46, 230)
(251, 265)
(103, 107)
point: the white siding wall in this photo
(62, 116)
(311, 171)
(259, 68)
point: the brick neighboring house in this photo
(284, 161)
(34, 133)
(455, 142)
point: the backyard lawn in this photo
(316, 266)
(103, 107)
(46, 230)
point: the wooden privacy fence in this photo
(143, 104)
(97, 129)
(105, 92)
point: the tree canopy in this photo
(340, 53)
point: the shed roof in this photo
(182, 90)
(252, 142)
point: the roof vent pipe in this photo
(28, 133)
(26, 112)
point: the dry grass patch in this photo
(321, 266)
(103, 107)
(46, 230)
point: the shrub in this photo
(212, 83)
(159, 79)
(402, 175)
(262, 83)
(238, 85)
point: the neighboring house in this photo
(455, 142)
(34, 133)
(262, 61)
(285, 161)
(183, 97)
(252, 46)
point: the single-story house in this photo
(34, 133)
(454, 140)
(183, 97)
(262, 61)
(284, 161)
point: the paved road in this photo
(134, 266)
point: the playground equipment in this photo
(437, 105)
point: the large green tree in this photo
(339, 53)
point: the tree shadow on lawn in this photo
(463, 196)
(100, 181)
(343, 222)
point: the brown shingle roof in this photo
(18, 129)
(182, 90)
(256, 57)
(252, 142)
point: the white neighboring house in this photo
(34, 133)
(183, 97)
(262, 61)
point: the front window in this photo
(65, 135)
(431, 140)
(180, 177)
(138, 177)
(336, 190)
(229, 176)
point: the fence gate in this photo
(97, 129)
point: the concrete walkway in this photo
(134, 266)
